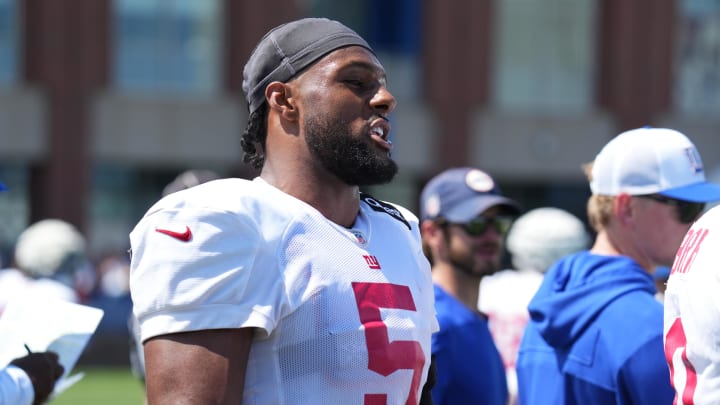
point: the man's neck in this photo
(464, 288)
(609, 244)
(338, 203)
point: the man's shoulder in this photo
(230, 195)
(223, 191)
(235, 205)
(629, 324)
(452, 313)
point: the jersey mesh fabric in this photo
(692, 314)
(307, 283)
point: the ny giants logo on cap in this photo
(694, 157)
(479, 181)
(432, 205)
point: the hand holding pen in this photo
(44, 369)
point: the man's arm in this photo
(202, 367)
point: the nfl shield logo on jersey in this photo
(359, 237)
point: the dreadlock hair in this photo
(255, 135)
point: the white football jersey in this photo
(692, 314)
(344, 316)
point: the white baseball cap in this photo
(652, 161)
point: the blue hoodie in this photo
(594, 337)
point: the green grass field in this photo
(104, 386)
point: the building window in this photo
(8, 41)
(697, 61)
(392, 28)
(544, 55)
(168, 45)
(14, 208)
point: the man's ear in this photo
(431, 232)
(433, 241)
(622, 208)
(279, 97)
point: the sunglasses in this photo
(479, 225)
(687, 211)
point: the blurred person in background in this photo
(595, 333)
(189, 178)
(27, 380)
(111, 293)
(49, 262)
(537, 239)
(464, 222)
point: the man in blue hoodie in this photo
(596, 331)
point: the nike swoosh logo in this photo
(183, 236)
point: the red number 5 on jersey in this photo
(384, 356)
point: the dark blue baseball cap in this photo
(461, 194)
(3, 187)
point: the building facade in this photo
(103, 102)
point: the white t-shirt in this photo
(504, 298)
(344, 315)
(692, 314)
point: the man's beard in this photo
(350, 158)
(466, 262)
(470, 267)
